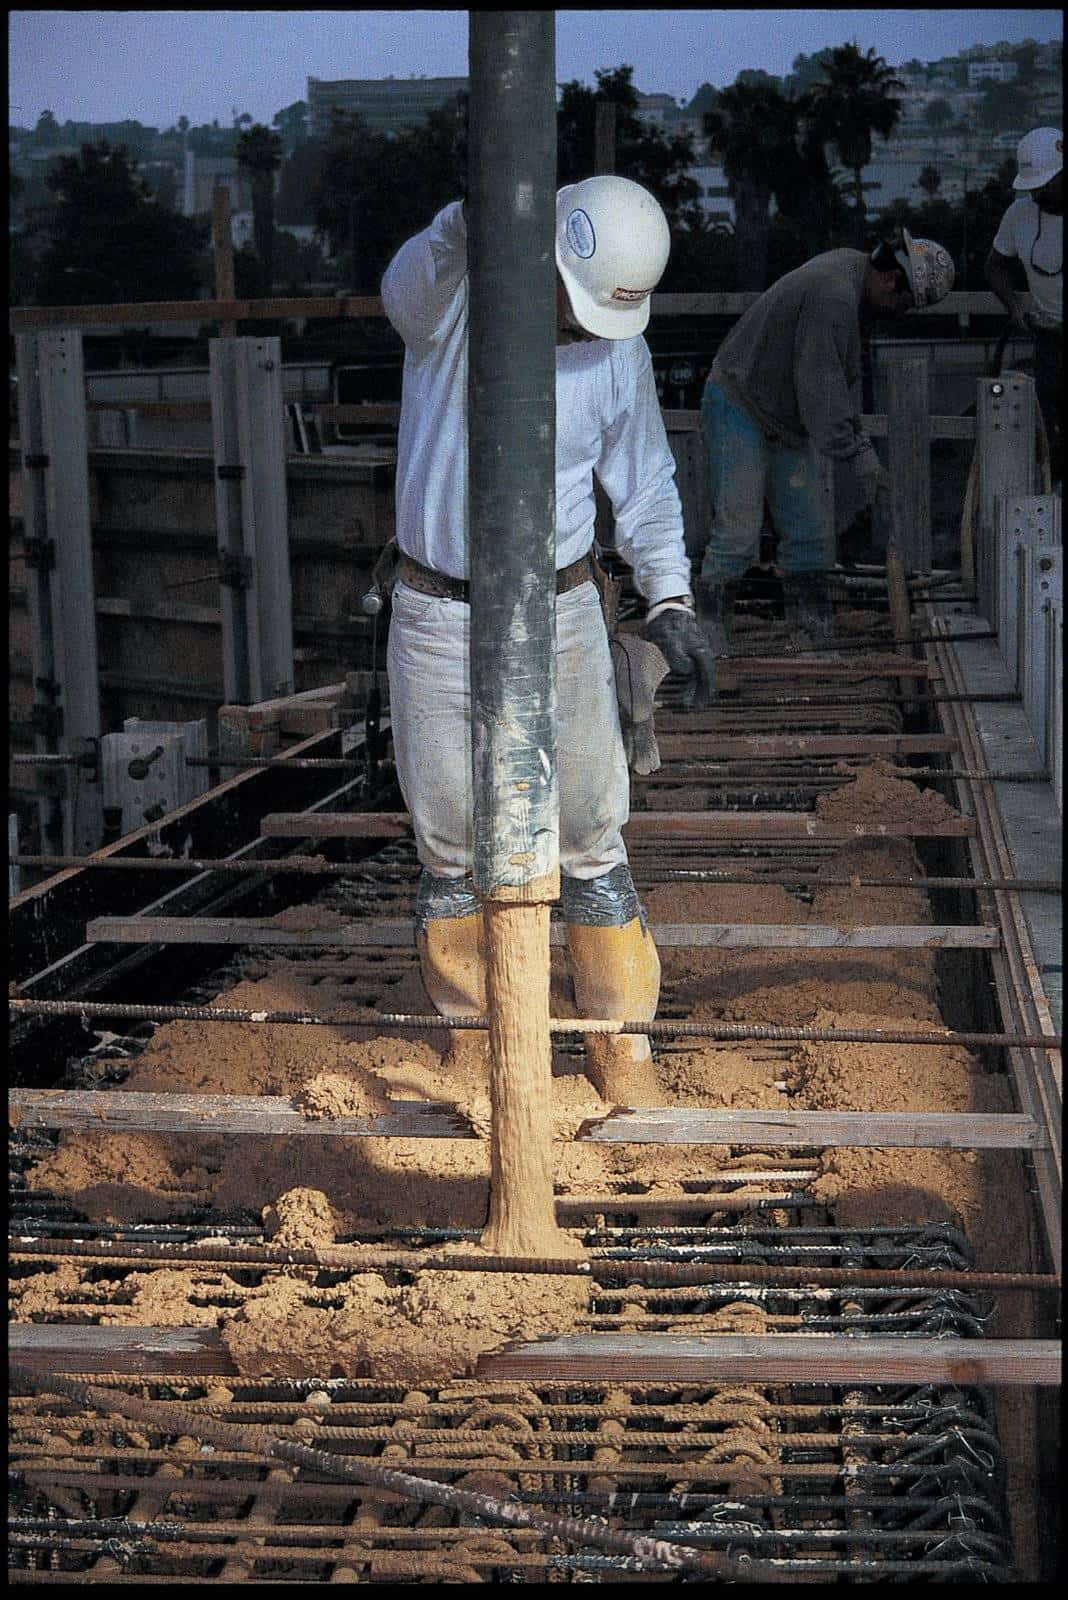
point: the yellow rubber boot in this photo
(451, 956)
(616, 972)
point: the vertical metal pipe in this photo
(512, 575)
(511, 463)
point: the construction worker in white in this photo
(1032, 232)
(612, 244)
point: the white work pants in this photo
(430, 715)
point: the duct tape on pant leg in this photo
(444, 897)
(610, 901)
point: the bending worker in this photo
(1032, 230)
(612, 244)
(785, 384)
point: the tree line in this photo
(779, 145)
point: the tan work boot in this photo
(616, 973)
(451, 956)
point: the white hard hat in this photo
(928, 267)
(1039, 157)
(612, 245)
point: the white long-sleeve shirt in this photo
(608, 422)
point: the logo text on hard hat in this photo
(580, 235)
(629, 294)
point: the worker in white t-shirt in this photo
(1032, 231)
(612, 244)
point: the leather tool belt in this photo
(426, 581)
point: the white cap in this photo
(1039, 157)
(612, 245)
(928, 267)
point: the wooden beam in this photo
(40, 1347)
(779, 1358)
(125, 1111)
(401, 932)
(23, 318)
(761, 826)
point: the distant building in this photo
(205, 173)
(387, 105)
(991, 72)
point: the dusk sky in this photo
(154, 66)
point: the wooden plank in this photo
(760, 826)
(401, 932)
(39, 1347)
(779, 1358)
(120, 1111)
(867, 1130)
(23, 318)
(125, 1111)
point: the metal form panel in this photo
(248, 429)
(1040, 585)
(1019, 521)
(908, 416)
(59, 555)
(1056, 719)
(14, 874)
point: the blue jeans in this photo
(747, 468)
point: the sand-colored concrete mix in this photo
(314, 1190)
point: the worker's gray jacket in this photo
(792, 361)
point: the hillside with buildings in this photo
(962, 115)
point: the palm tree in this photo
(854, 101)
(259, 154)
(751, 131)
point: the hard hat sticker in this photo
(580, 235)
(629, 294)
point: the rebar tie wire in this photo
(652, 1554)
(736, 1031)
(600, 1269)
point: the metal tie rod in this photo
(813, 773)
(368, 867)
(733, 704)
(557, 1025)
(837, 646)
(603, 1269)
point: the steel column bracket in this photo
(1005, 440)
(1040, 591)
(1020, 521)
(252, 522)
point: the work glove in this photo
(640, 669)
(689, 655)
(873, 476)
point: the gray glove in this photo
(874, 478)
(685, 648)
(640, 669)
